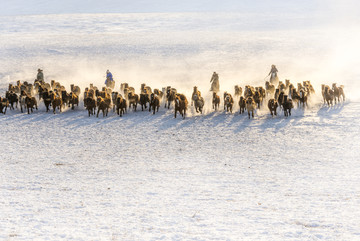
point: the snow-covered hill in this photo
(216, 176)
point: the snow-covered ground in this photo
(216, 176)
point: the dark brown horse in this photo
(154, 103)
(73, 100)
(120, 105)
(30, 103)
(287, 105)
(170, 96)
(56, 101)
(4, 103)
(242, 104)
(181, 104)
(215, 101)
(103, 105)
(90, 104)
(272, 105)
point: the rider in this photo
(215, 85)
(109, 77)
(40, 76)
(273, 70)
(273, 75)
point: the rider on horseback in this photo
(215, 85)
(273, 75)
(109, 82)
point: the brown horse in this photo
(258, 98)
(73, 100)
(4, 103)
(215, 101)
(272, 105)
(75, 89)
(181, 104)
(47, 99)
(30, 103)
(103, 105)
(133, 100)
(242, 104)
(329, 95)
(303, 97)
(13, 98)
(238, 91)
(287, 105)
(154, 103)
(228, 102)
(56, 101)
(90, 104)
(120, 105)
(170, 96)
(250, 106)
(269, 89)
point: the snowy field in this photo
(216, 176)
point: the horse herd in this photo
(283, 96)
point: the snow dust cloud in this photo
(182, 50)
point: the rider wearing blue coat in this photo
(108, 76)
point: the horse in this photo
(90, 104)
(228, 102)
(120, 105)
(13, 98)
(258, 98)
(170, 96)
(196, 93)
(215, 101)
(338, 91)
(144, 98)
(4, 103)
(329, 95)
(272, 105)
(250, 106)
(154, 103)
(73, 100)
(103, 105)
(30, 103)
(238, 91)
(47, 99)
(242, 104)
(198, 102)
(287, 105)
(269, 89)
(75, 89)
(303, 98)
(180, 105)
(133, 100)
(56, 101)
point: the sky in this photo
(20, 7)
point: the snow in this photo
(215, 176)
